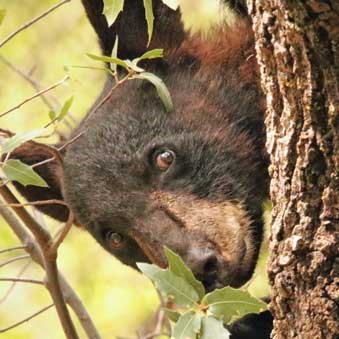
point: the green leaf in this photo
(179, 268)
(15, 170)
(188, 326)
(173, 4)
(114, 54)
(213, 328)
(65, 108)
(112, 8)
(171, 285)
(229, 303)
(152, 54)
(149, 18)
(172, 315)
(18, 139)
(104, 58)
(2, 15)
(149, 270)
(52, 115)
(160, 87)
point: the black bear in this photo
(193, 179)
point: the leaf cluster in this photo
(195, 314)
(134, 71)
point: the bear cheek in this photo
(224, 224)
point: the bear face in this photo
(140, 178)
(192, 179)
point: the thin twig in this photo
(9, 261)
(56, 154)
(158, 325)
(38, 87)
(160, 321)
(13, 249)
(23, 280)
(106, 98)
(32, 70)
(26, 319)
(43, 162)
(52, 149)
(31, 22)
(38, 203)
(10, 289)
(70, 141)
(62, 235)
(35, 84)
(35, 95)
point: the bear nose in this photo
(204, 263)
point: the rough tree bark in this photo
(297, 44)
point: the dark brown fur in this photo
(207, 206)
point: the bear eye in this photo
(114, 240)
(164, 160)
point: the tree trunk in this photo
(297, 44)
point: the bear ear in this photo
(131, 27)
(32, 153)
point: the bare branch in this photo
(2, 330)
(31, 281)
(21, 257)
(13, 249)
(53, 285)
(70, 296)
(60, 82)
(49, 259)
(31, 22)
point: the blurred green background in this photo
(118, 298)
